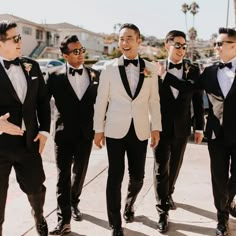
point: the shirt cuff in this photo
(199, 131)
(45, 133)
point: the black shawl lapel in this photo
(7, 83)
(124, 78)
(233, 87)
(141, 77)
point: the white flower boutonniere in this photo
(187, 69)
(27, 66)
(92, 75)
(147, 73)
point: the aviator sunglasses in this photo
(77, 51)
(15, 38)
(179, 45)
(220, 43)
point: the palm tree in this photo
(185, 9)
(194, 10)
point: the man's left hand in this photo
(42, 141)
(198, 137)
(155, 137)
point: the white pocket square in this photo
(34, 77)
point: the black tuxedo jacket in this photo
(176, 112)
(222, 110)
(75, 117)
(35, 110)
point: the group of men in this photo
(134, 100)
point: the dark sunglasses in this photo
(179, 45)
(15, 38)
(220, 43)
(77, 51)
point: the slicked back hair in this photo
(230, 32)
(174, 33)
(4, 27)
(67, 40)
(131, 26)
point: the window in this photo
(27, 30)
(39, 34)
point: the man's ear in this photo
(139, 41)
(167, 46)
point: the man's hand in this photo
(198, 136)
(155, 137)
(99, 139)
(9, 128)
(160, 68)
(42, 140)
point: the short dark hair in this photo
(229, 31)
(131, 26)
(67, 40)
(175, 33)
(6, 25)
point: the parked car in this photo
(99, 65)
(48, 65)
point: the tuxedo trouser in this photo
(70, 155)
(168, 159)
(223, 176)
(136, 154)
(29, 175)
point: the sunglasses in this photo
(77, 51)
(15, 38)
(179, 45)
(220, 43)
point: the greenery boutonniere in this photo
(27, 66)
(147, 73)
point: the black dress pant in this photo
(29, 174)
(70, 155)
(168, 159)
(136, 154)
(223, 175)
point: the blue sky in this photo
(153, 17)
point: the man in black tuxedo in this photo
(24, 123)
(176, 123)
(74, 89)
(219, 83)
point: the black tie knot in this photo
(72, 71)
(223, 65)
(177, 66)
(7, 64)
(127, 61)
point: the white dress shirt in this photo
(178, 74)
(132, 73)
(78, 82)
(226, 77)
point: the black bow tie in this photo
(223, 65)
(127, 61)
(72, 71)
(177, 66)
(7, 64)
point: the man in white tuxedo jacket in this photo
(127, 112)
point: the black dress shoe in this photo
(61, 229)
(222, 229)
(117, 232)
(232, 208)
(76, 214)
(128, 214)
(42, 228)
(162, 225)
(172, 203)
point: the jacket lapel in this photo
(233, 87)
(7, 83)
(124, 77)
(141, 77)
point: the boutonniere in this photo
(28, 67)
(92, 76)
(147, 73)
(187, 69)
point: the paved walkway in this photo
(194, 216)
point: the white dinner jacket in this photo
(115, 107)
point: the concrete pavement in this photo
(194, 216)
